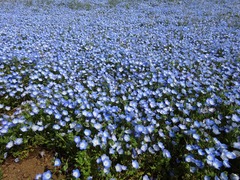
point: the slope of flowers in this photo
(150, 91)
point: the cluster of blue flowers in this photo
(126, 80)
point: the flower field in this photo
(122, 90)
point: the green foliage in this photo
(76, 5)
(83, 162)
(113, 3)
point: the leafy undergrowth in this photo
(114, 95)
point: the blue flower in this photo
(145, 177)
(234, 176)
(144, 147)
(236, 145)
(207, 178)
(226, 164)
(56, 127)
(107, 163)
(118, 167)
(230, 155)
(223, 176)
(236, 118)
(9, 145)
(46, 175)
(160, 144)
(135, 164)
(126, 138)
(76, 173)
(166, 153)
(57, 162)
(83, 145)
(189, 158)
(217, 164)
(193, 169)
(77, 139)
(87, 132)
(38, 177)
(196, 136)
(18, 141)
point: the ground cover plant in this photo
(121, 90)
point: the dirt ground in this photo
(36, 163)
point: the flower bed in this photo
(148, 90)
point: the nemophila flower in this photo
(217, 164)
(62, 123)
(236, 118)
(196, 136)
(58, 116)
(139, 128)
(207, 178)
(234, 176)
(201, 152)
(38, 177)
(97, 126)
(166, 153)
(8, 108)
(106, 170)
(189, 147)
(226, 163)
(96, 141)
(160, 144)
(118, 168)
(223, 176)
(161, 134)
(175, 120)
(199, 163)
(145, 177)
(35, 127)
(144, 147)
(151, 150)
(87, 132)
(229, 155)
(90, 178)
(83, 145)
(9, 145)
(16, 160)
(193, 169)
(76, 173)
(46, 175)
(65, 112)
(135, 164)
(35, 110)
(216, 130)
(77, 139)
(107, 163)
(189, 158)
(147, 138)
(56, 127)
(156, 147)
(18, 141)
(4, 130)
(126, 138)
(77, 127)
(57, 162)
(111, 151)
(182, 126)
(236, 145)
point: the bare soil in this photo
(37, 162)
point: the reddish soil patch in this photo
(28, 168)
